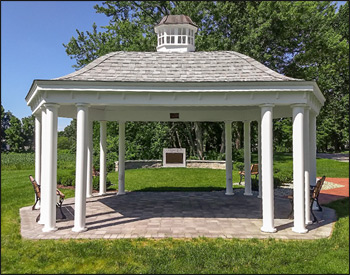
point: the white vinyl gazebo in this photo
(175, 84)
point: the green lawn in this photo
(198, 255)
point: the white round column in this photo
(121, 159)
(50, 176)
(298, 169)
(103, 154)
(81, 165)
(259, 159)
(38, 152)
(312, 147)
(267, 168)
(228, 156)
(307, 166)
(247, 161)
(312, 151)
(44, 167)
(89, 160)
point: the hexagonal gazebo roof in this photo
(146, 81)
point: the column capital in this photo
(82, 104)
(228, 121)
(303, 105)
(38, 113)
(267, 105)
(51, 105)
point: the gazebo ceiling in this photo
(215, 66)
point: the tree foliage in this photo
(301, 39)
(16, 134)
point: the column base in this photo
(49, 229)
(259, 197)
(89, 196)
(229, 194)
(248, 194)
(102, 194)
(268, 229)
(301, 231)
(121, 193)
(308, 222)
(40, 221)
(79, 229)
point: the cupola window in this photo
(181, 36)
(161, 38)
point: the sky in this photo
(32, 34)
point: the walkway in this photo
(340, 191)
(335, 156)
(177, 215)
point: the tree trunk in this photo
(237, 134)
(222, 145)
(189, 136)
(199, 139)
(178, 138)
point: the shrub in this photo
(96, 182)
(214, 155)
(66, 177)
(238, 166)
(193, 158)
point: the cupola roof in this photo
(176, 19)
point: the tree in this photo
(70, 132)
(307, 40)
(14, 137)
(5, 124)
(28, 127)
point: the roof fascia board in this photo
(261, 86)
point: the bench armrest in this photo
(58, 192)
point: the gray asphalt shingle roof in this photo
(176, 19)
(214, 66)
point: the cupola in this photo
(175, 33)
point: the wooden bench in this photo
(314, 193)
(254, 170)
(60, 197)
(95, 173)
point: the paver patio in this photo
(177, 215)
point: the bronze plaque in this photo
(174, 158)
(174, 115)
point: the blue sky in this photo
(32, 33)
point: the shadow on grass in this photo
(341, 206)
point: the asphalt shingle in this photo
(214, 66)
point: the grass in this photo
(182, 256)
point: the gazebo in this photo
(175, 83)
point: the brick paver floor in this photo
(329, 195)
(176, 215)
